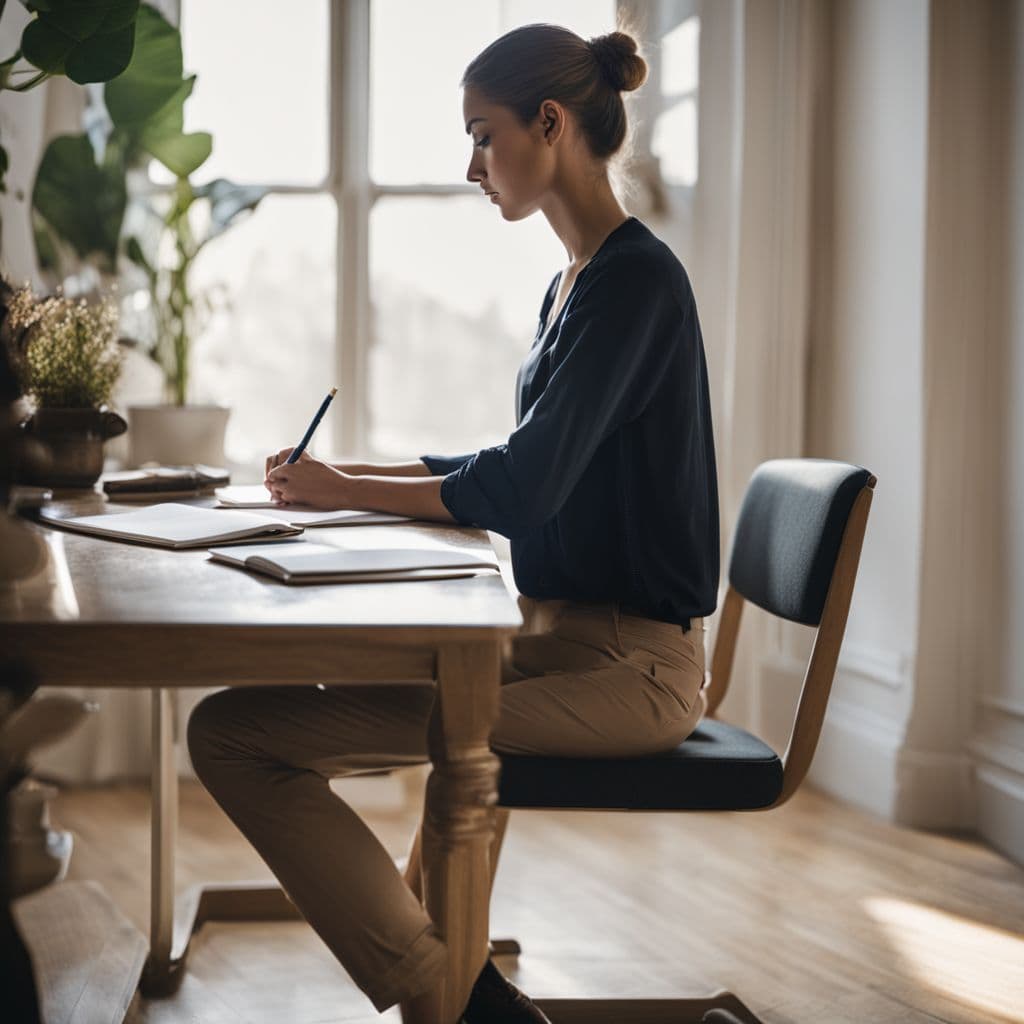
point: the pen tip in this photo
(334, 391)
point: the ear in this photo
(552, 121)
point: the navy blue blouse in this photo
(607, 486)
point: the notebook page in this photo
(174, 524)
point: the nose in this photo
(473, 172)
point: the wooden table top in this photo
(117, 583)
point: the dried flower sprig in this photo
(67, 356)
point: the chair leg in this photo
(726, 1006)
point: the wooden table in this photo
(133, 616)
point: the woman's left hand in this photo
(310, 482)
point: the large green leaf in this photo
(147, 101)
(120, 14)
(89, 40)
(76, 18)
(180, 154)
(47, 254)
(45, 46)
(152, 79)
(82, 202)
(100, 58)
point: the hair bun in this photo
(618, 60)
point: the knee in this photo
(208, 733)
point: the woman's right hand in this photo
(279, 459)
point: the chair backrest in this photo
(795, 553)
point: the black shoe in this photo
(495, 1000)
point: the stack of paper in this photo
(306, 562)
(177, 526)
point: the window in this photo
(372, 264)
(674, 140)
(268, 348)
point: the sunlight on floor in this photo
(944, 951)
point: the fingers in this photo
(279, 458)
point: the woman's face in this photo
(512, 162)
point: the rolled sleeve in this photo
(442, 465)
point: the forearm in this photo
(400, 495)
(403, 469)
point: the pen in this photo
(307, 436)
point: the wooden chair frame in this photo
(803, 741)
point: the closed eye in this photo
(483, 142)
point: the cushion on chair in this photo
(719, 767)
(787, 537)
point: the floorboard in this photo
(815, 912)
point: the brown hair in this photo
(538, 62)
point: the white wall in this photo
(917, 372)
(865, 360)
(998, 742)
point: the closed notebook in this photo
(307, 562)
(170, 525)
(255, 496)
(163, 482)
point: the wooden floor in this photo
(815, 912)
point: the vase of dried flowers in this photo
(67, 363)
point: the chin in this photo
(514, 213)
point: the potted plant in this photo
(90, 190)
(66, 364)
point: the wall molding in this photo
(999, 794)
(935, 789)
(890, 669)
(859, 748)
(857, 757)
(1003, 706)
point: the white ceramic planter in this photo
(177, 435)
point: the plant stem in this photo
(30, 84)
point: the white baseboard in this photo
(857, 757)
(999, 783)
(857, 752)
(935, 790)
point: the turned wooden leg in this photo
(458, 822)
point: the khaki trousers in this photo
(580, 680)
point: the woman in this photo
(606, 488)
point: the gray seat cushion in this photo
(718, 768)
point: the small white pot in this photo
(177, 435)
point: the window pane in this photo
(416, 134)
(268, 350)
(456, 297)
(674, 142)
(680, 58)
(261, 89)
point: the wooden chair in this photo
(795, 553)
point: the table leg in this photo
(161, 975)
(171, 925)
(458, 822)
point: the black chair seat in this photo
(718, 768)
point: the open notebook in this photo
(306, 562)
(170, 525)
(255, 496)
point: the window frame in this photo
(348, 181)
